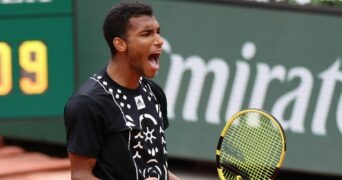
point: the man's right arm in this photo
(82, 167)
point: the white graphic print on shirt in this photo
(147, 143)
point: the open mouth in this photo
(154, 59)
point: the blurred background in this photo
(220, 56)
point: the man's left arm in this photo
(173, 176)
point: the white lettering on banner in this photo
(299, 97)
(329, 79)
(193, 96)
(265, 75)
(23, 1)
(339, 114)
(239, 88)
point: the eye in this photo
(146, 34)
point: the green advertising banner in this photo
(34, 7)
(221, 58)
(230, 58)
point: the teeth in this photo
(154, 59)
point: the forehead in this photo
(143, 22)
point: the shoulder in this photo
(85, 99)
(90, 92)
(78, 101)
(80, 106)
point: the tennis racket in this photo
(251, 146)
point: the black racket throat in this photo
(229, 168)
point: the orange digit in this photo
(33, 62)
(6, 83)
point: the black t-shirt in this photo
(122, 128)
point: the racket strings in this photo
(242, 138)
(263, 140)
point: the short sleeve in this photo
(84, 126)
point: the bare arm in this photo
(173, 176)
(82, 167)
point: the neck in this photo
(119, 71)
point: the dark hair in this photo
(116, 22)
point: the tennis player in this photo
(115, 121)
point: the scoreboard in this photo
(36, 58)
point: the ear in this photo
(119, 44)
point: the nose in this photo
(159, 41)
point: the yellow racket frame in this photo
(229, 123)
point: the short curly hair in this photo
(116, 21)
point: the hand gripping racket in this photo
(251, 146)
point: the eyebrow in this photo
(150, 29)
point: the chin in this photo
(151, 75)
